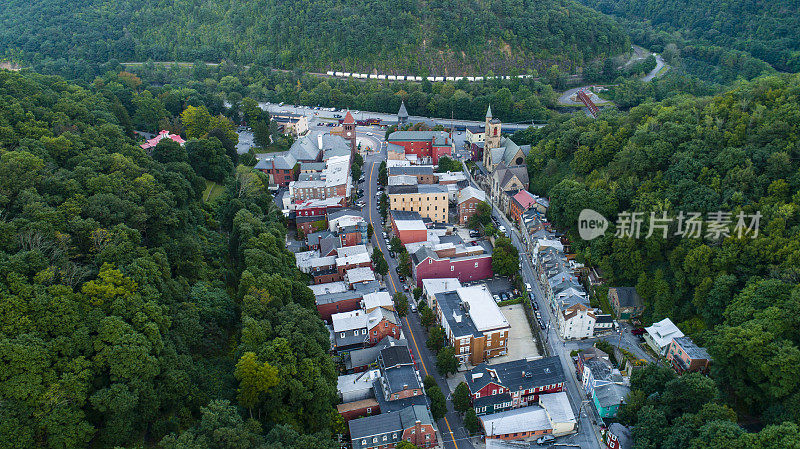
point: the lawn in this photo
(212, 191)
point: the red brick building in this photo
(358, 409)
(509, 385)
(467, 263)
(468, 200)
(408, 226)
(413, 424)
(279, 168)
(428, 146)
(382, 323)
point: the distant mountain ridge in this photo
(444, 38)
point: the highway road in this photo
(451, 427)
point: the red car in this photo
(638, 331)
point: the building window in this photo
(342, 335)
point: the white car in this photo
(502, 229)
(370, 134)
(528, 286)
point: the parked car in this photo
(541, 324)
(502, 229)
(413, 307)
(528, 286)
(544, 439)
(370, 134)
(496, 298)
(391, 254)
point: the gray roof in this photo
(504, 174)
(459, 322)
(411, 170)
(691, 348)
(344, 212)
(282, 161)
(316, 166)
(392, 423)
(404, 136)
(600, 368)
(314, 238)
(489, 112)
(623, 435)
(398, 404)
(609, 395)
(305, 149)
(367, 356)
(627, 296)
(544, 371)
(392, 356)
(402, 113)
(405, 215)
(507, 150)
(419, 188)
(401, 378)
(331, 298)
(328, 244)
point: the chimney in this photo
(319, 141)
(418, 431)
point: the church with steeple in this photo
(498, 149)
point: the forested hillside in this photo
(133, 313)
(735, 152)
(766, 30)
(444, 38)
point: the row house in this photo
(465, 262)
(514, 384)
(357, 329)
(337, 297)
(551, 416)
(423, 173)
(361, 360)
(413, 424)
(334, 181)
(473, 323)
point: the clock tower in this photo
(349, 131)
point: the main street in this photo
(451, 427)
(588, 433)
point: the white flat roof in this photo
(525, 419)
(357, 381)
(483, 310)
(356, 319)
(557, 407)
(346, 251)
(433, 286)
(360, 274)
(352, 260)
(410, 225)
(377, 299)
(330, 287)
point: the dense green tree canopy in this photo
(453, 36)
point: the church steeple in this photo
(489, 113)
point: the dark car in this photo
(391, 254)
(638, 331)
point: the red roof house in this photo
(163, 134)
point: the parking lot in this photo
(520, 338)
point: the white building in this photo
(660, 335)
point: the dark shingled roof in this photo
(544, 371)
